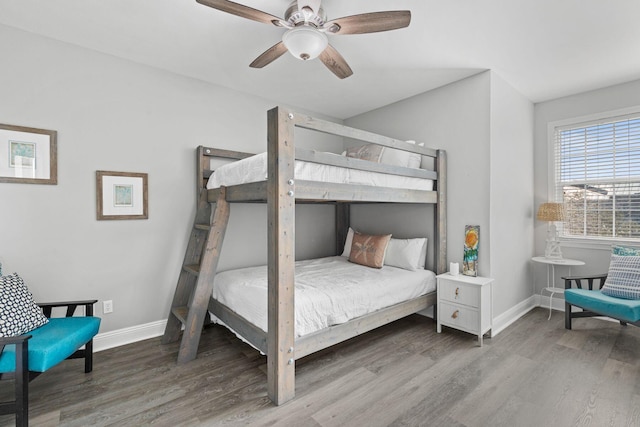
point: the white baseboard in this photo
(557, 302)
(502, 321)
(130, 335)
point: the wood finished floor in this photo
(534, 373)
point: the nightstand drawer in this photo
(459, 317)
(460, 293)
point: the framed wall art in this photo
(28, 155)
(121, 195)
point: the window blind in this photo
(597, 177)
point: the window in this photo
(597, 177)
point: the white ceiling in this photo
(544, 48)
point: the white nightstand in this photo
(465, 303)
(551, 274)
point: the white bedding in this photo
(328, 291)
(254, 168)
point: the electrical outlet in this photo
(107, 307)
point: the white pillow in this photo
(391, 156)
(414, 158)
(406, 253)
(423, 255)
(347, 243)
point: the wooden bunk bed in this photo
(193, 297)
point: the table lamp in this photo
(551, 212)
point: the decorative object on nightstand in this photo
(551, 274)
(465, 303)
(470, 257)
(551, 212)
(454, 268)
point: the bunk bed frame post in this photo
(441, 213)
(281, 256)
(203, 163)
(343, 218)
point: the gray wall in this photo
(116, 115)
(484, 124)
(511, 194)
(455, 118)
(611, 98)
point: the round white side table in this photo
(551, 274)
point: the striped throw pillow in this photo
(623, 280)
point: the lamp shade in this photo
(551, 212)
(305, 42)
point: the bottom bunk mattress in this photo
(328, 291)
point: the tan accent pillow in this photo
(369, 250)
(370, 152)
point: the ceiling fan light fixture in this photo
(305, 42)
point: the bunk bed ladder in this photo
(195, 282)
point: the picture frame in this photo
(121, 195)
(28, 155)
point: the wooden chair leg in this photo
(567, 315)
(22, 384)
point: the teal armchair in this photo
(589, 297)
(26, 356)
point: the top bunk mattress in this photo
(254, 168)
(328, 291)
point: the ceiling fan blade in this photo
(241, 10)
(369, 22)
(335, 62)
(269, 55)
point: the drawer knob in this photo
(455, 314)
(457, 292)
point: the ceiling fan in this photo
(307, 29)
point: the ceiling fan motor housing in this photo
(304, 16)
